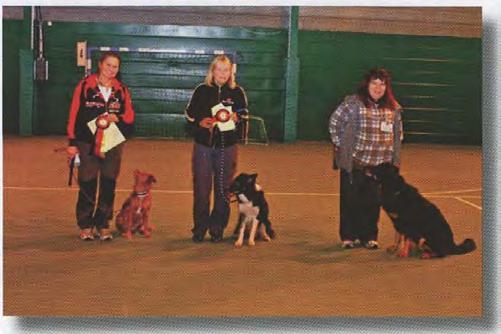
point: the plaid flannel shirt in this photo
(356, 133)
(373, 146)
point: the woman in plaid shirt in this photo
(366, 130)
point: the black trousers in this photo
(360, 205)
(88, 214)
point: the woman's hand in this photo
(207, 122)
(112, 118)
(71, 151)
(335, 152)
(234, 117)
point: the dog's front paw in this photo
(427, 255)
(147, 233)
(239, 243)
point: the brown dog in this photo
(134, 215)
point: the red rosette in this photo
(102, 124)
(223, 115)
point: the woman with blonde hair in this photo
(215, 108)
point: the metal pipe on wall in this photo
(292, 77)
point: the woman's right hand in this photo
(207, 122)
(71, 151)
(335, 152)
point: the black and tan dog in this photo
(253, 210)
(416, 218)
(135, 213)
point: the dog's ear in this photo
(253, 177)
(151, 179)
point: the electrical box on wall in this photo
(82, 53)
(41, 69)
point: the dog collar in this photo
(141, 194)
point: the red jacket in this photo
(88, 103)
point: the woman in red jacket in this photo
(98, 101)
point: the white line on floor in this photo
(452, 191)
(469, 203)
(437, 194)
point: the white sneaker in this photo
(105, 235)
(371, 244)
(347, 244)
(86, 234)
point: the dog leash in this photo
(75, 178)
(75, 162)
(221, 169)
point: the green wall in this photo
(10, 68)
(436, 79)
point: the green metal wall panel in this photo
(10, 75)
(436, 79)
(26, 92)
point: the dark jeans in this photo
(359, 206)
(212, 166)
(88, 214)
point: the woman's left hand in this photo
(112, 118)
(234, 117)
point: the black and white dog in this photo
(253, 210)
(415, 217)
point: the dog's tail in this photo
(467, 246)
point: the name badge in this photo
(387, 126)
